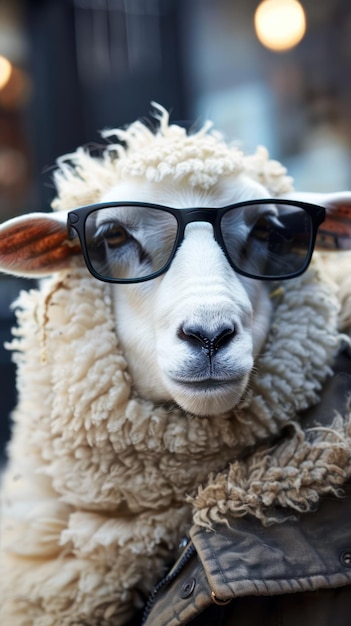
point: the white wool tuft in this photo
(201, 158)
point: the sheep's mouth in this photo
(209, 375)
(207, 396)
(207, 385)
(204, 385)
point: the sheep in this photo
(126, 431)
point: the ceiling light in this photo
(280, 24)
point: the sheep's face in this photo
(190, 335)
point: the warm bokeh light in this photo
(280, 24)
(5, 71)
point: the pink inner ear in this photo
(335, 232)
(37, 246)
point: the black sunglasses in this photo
(130, 242)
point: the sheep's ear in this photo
(36, 245)
(335, 232)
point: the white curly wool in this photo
(199, 159)
(100, 496)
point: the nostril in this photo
(224, 337)
(209, 341)
(193, 334)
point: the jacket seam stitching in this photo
(219, 568)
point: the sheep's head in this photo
(191, 333)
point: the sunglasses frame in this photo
(76, 220)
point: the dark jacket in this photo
(297, 573)
(293, 574)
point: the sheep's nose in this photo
(210, 342)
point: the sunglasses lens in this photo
(272, 240)
(129, 242)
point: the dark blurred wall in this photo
(96, 64)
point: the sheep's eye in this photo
(116, 237)
(264, 226)
(113, 234)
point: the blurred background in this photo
(276, 72)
